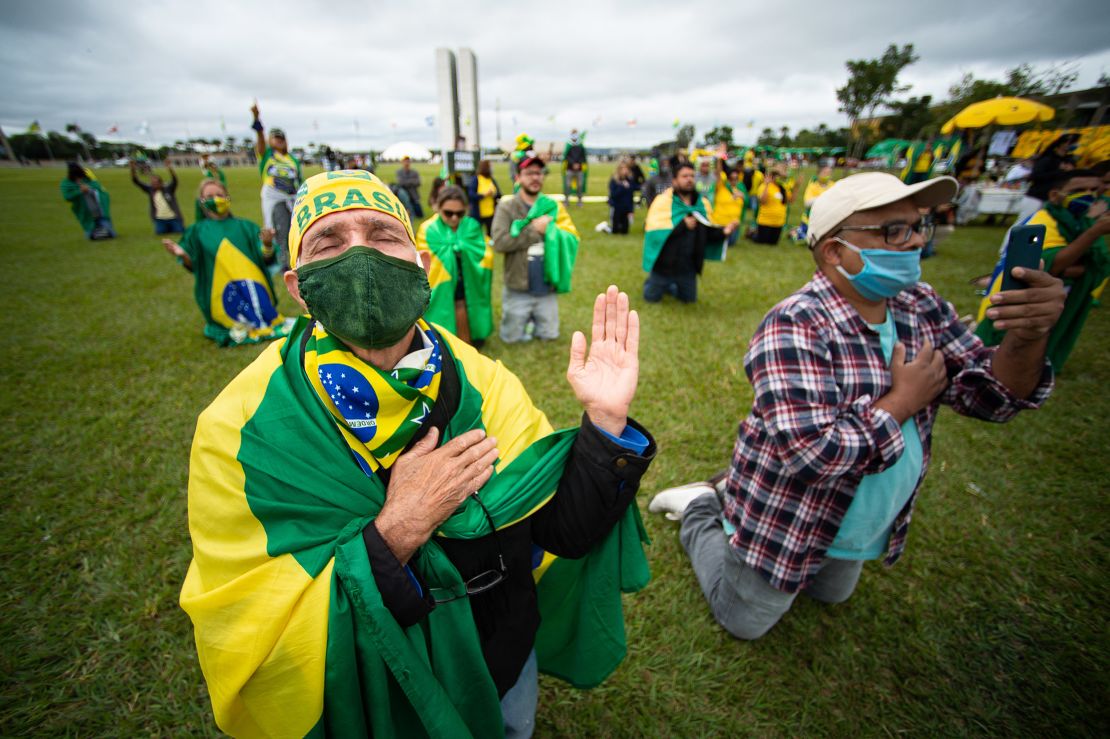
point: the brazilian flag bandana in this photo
(232, 286)
(463, 249)
(664, 215)
(560, 241)
(377, 412)
(292, 633)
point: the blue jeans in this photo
(518, 707)
(102, 229)
(683, 287)
(168, 226)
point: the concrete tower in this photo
(447, 87)
(468, 99)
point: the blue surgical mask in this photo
(885, 273)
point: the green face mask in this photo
(219, 205)
(365, 298)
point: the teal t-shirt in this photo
(867, 523)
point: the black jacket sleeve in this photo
(600, 481)
(402, 592)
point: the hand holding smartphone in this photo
(1022, 250)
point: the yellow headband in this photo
(347, 189)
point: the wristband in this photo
(257, 125)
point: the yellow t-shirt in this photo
(772, 206)
(757, 181)
(162, 209)
(486, 191)
(280, 171)
(814, 190)
(727, 205)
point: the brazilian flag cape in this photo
(71, 191)
(560, 241)
(232, 285)
(1083, 291)
(291, 630)
(665, 213)
(449, 249)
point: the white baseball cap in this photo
(872, 190)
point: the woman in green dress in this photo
(232, 287)
(460, 268)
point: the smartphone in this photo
(1023, 250)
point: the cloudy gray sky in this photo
(317, 67)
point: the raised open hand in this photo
(604, 378)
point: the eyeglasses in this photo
(452, 213)
(481, 582)
(899, 234)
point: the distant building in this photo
(186, 159)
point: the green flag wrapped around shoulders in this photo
(461, 255)
(560, 241)
(665, 213)
(292, 633)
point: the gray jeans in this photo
(740, 599)
(518, 307)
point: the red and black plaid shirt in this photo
(816, 368)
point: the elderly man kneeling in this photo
(387, 534)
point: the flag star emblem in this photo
(355, 389)
(329, 375)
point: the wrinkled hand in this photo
(1029, 314)
(540, 224)
(173, 248)
(914, 384)
(427, 485)
(604, 381)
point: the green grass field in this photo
(992, 623)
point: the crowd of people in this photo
(389, 537)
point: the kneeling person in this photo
(228, 257)
(678, 237)
(540, 244)
(384, 527)
(460, 268)
(848, 374)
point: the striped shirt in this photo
(816, 368)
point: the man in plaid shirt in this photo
(848, 375)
